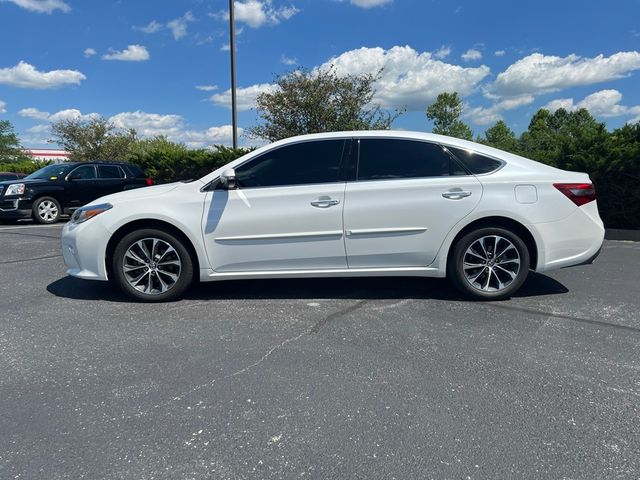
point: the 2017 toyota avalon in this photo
(344, 204)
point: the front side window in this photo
(109, 171)
(297, 164)
(389, 159)
(86, 172)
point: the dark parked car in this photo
(11, 176)
(60, 189)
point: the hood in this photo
(137, 193)
(28, 183)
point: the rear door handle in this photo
(324, 202)
(456, 194)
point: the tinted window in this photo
(298, 164)
(136, 171)
(476, 163)
(382, 159)
(86, 172)
(109, 171)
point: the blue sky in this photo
(162, 67)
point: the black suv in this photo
(61, 188)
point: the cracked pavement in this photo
(329, 378)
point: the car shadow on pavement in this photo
(307, 289)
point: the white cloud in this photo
(603, 103)
(538, 73)
(207, 88)
(226, 48)
(178, 26)
(41, 6)
(288, 60)
(25, 75)
(68, 114)
(409, 79)
(89, 52)
(34, 113)
(133, 53)
(245, 97)
(493, 113)
(471, 54)
(257, 13)
(442, 52)
(499, 53)
(151, 27)
(370, 3)
(172, 127)
(3, 106)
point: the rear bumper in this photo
(575, 240)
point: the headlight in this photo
(15, 189)
(85, 213)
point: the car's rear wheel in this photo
(46, 210)
(489, 263)
(152, 266)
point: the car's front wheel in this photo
(152, 266)
(489, 263)
(46, 210)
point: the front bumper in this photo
(84, 249)
(15, 208)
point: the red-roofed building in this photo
(56, 155)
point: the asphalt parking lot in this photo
(333, 378)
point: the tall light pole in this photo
(232, 49)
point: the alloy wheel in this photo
(47, 210)
(151, 266)
(491, 263)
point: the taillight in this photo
(149, 182)
(578, 193)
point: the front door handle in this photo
(456, 194)
(324, 202)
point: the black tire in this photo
(150, 287)
(46, 210)
(492, 272)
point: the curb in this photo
(619, 234)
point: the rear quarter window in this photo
(135, 171)
(476, 163)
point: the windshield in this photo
(51, 172)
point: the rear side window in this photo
(386, 159)
(135, 171)
(475, 162)
(297, 164)
(110, 171)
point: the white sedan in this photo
(374, 203)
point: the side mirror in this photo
(228, 179)
(74, 176)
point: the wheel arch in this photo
(134, 225)
(502, 222)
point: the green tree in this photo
(10, 148)
(167, 161)
(500, 136)
(314, 101)
(445, 114)
(569, 140)
(93, 139)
